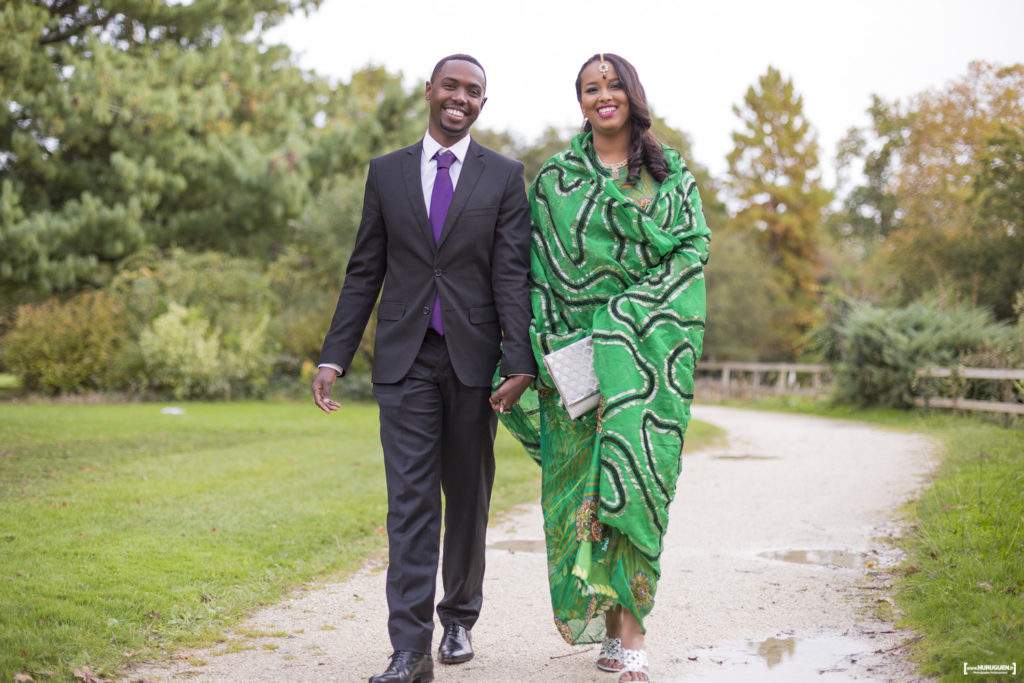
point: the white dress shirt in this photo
(428, 165)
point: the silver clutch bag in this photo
(572, 370)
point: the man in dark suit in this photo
(445, 229)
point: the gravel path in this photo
(771, 573)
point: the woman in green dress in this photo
(619, 245)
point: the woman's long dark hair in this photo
(644, 148)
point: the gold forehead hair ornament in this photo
(603, 67)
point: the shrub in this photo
(68, 346)
(232, 292)
(879, 351)
(182, 354)
(226, 298)
(187, 357)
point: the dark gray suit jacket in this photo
(480, 268)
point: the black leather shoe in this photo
(407, 667)
(455, 647)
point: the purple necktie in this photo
(440, 200)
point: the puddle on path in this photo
(746, 456)
(826, 558)
(518, 546)
(784, 658)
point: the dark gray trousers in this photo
(437, 435)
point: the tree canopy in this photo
(137, 123)
(943, 189)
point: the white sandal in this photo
(611, 650)
(634, 661)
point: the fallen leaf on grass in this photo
(132, 653)
(180, 655)
(984, 585)
(23, 678)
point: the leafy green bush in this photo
(879, 350)
(182, 353)
(1006, 352)
(69, 346)
(186, 356)
(232, 292)
(226, 300)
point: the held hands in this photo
(322, 384)
(507, 395)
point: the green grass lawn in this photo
(962, 585)
(125, 532)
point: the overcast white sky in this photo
(696, 60)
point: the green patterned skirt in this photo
(592, 567)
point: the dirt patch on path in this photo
(773, 571)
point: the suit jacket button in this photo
(426, 310)
(437, 273)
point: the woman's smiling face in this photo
(603, 101)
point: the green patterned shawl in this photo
(635, 280)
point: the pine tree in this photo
(775, 180)
(135, 123)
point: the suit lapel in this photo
(414, 189)
(472, 169)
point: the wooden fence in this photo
(743, 380)
(750, 380)
(1008, 405)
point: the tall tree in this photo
(871, 210)
(775, 179)
(998, 230)
(955, 175)
(135, 122)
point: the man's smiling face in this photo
(456, 96)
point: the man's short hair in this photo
(462, 58)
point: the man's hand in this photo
(507, 395)
(322, 390)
